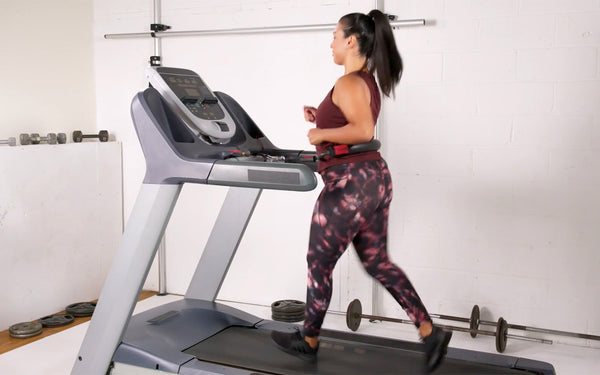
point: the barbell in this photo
(354, 315)
(474, 322)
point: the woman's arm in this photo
(352, 95)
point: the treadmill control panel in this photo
(194, 102)
(195, 96)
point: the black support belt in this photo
(343, 150)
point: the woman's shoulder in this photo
(351, 82)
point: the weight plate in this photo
(501, 335)
(288, 306)
(474, 321)
(11, 141)
(57, 320)
(279, 316)
(61, 138)
(81, 309)
(353, 315)
(52, 139)
(301, 313)
(103, 136)
(279, 313)
(288, 319)
(288, 310)
(25, 330)
(24, 139)
(35, 139)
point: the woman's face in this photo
(339, 45)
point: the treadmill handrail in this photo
(262, 175)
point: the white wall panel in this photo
(506, 230)
(60, 224)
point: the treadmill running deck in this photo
(252, 349)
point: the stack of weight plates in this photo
(288, 310)
(57, 320)
(81, 309)
(25, 330)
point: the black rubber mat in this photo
(252, 349)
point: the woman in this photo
(354, 204)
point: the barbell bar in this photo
(354, 315)
(475, 321)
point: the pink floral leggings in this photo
(354, 207)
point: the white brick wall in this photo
(531, 31)
(489, 66)
(578, 29)
(515, 98)
(493, 140)
(496, 163)
(557, 64)
(557, 6)
(581, 98)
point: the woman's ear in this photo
(351, 41)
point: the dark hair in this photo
(376, 42)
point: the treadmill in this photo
(190, 134)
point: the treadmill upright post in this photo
(222, 243)
(126, 277)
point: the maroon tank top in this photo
(330, 116)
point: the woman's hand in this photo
(315, 136)
(310, 114)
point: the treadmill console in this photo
(194, 102)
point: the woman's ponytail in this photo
(385, 60)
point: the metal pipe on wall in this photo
(249, 30)
(162, 249)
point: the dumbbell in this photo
(354, 315)
(78, 136)
(35, 138)
(10, 141)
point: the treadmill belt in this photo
(252, 349)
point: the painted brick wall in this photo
(492, 139)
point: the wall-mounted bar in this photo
(250, 30)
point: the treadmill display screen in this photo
(195, 95)
(192, 92)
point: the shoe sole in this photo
(305, 357)
(443, 351)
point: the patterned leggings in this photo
(354, 207)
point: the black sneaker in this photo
(293, 343)
(436, 347)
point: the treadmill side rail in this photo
(126, 277)
(278, 176)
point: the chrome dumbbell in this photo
(35, 138)
(10, 141)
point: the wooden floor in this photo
(8, 343)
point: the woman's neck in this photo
(355, 64)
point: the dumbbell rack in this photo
(53, 138)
